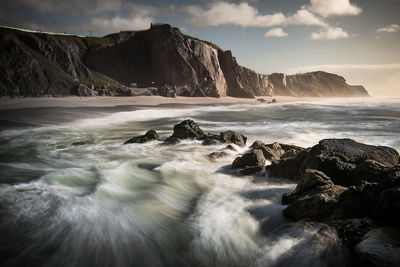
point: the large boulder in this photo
(379, 247)
(388, 206)
(188, 129)
(345, 161)
(233, 137)
(314, 197)
(250, 163)
(148, 136)
(275, 151)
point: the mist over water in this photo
(108, 204)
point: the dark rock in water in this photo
(79, 143)
(380, 247)
(388, 206)
(250, 170)
(230, 147)
(172, 140)
(352, 231)
(254, 158)
(275, 151)
(345, 161)
(313, 198)
(210, 139)
(188, 129)
(148, 136)
(217, 155)
(262, 100)
(233, 137)
(289, 167)
(274, 101)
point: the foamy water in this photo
(108, 204)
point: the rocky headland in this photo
(349, 190)
(159, 61)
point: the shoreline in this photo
(26, 112)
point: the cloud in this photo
(245, 15)
(305, 17)
(140, 17)
(331, 33)
(389, 28)
(327, 8)
(276, 32)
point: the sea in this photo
(99, 202)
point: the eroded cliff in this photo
(161, 58)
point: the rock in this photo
(217, 155)
(379, 247)
(262, 100)
(148, 136)
(231, 147)
(85, 91)
(188, 129)
(314, 197)
(172, 140)
(273, 152)
(250, 170)
(250, 159)
(79, 143)
(210, 139)
(352, 231)
(345, 161)
(388, 206)
(274, 101)
(233, 137)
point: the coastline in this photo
(17, 113)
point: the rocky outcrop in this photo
(148, 136)
(345, 161)
(233, 137)
(380, 247)
(36, 64)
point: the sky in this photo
(357, 39)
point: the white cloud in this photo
(305, 17)
(117, 23)
(389, 28)
(331, 33)
(275, 32)
(327, 8)
(245, 15)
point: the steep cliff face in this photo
(314, 84)
(35, 64)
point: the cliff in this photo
(161, 59)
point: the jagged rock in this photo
(233, 137)
(253, 158)
(352, 231)
(172, 140)
(380, 247)
(188, 129)
(148, 136)
(273, 152)
(217, 155)
(231, 147)
(345, 161)
(313, 198)
(388, 206)
(167, 91)
(250, 170)
(210, 139)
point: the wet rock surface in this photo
(148, 136)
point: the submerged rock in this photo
(210, 139)
(172, 140)
(233, 137)
(380, 247)
(148, 136)
(217, 155)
